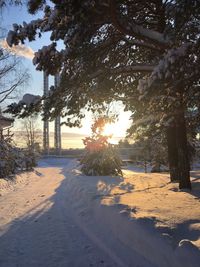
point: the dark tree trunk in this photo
(178, 155)
(182, 149)
(172, 153)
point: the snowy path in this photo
(56, 217)
(39, 228)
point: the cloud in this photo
(19, 50)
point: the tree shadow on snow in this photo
(187, 230)
(195, 180)
(110, 189)
(31, 240)
(40, 237)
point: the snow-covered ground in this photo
(55, 216)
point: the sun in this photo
(109, 129)
(114, 130)
(117, 129)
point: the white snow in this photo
(10, 37)
(59, 217)
(164, 68)
(29, 99)
(149, 34)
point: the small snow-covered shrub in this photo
(31, 158)
(13, 159)
(103, 162)
(101, 158)
(7, 158)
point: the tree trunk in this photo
(182, 149)
(178, 156)
(172, 153)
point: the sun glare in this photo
(109, 129)
(112, 130)
(117, 129)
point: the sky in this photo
(19, 14)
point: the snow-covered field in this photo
(55, 216)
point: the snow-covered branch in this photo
(140, 43)
(125, 70)
(29, 99)
(165, 67)
(137, 30)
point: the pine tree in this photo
(111, 45)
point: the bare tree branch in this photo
(12, 76)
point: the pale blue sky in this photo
(18, 15)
